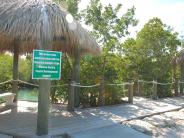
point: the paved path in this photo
(24, 122)
(114, 131)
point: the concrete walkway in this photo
(85, 121)
(114, 131)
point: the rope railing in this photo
(165, 83)
(90, 86)
(24, 82)
(84, 86)
(53, 86)
(180, 82)
(150, 82)
(121, 84)
(1, 83)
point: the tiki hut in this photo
(21, 21)
(41, 24)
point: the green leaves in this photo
(71, 6)
(108, 27)
(5, 67)
(152, 51)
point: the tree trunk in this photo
(15, 70)
(101, 98)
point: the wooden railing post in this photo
(176, 86)
(142, 88)
(138, 88)
(130, 92)
(71, 96)
(155, 97)
(101, 100)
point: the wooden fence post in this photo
(101, 100)
(138, 88)
(155, 90)
(176, 86)
(71, 96)
(130, 92)
(142, 88)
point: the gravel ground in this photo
(166, 125)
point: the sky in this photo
(171, 12)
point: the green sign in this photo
(46, 65)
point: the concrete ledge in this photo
(8, 97)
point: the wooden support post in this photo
(44, 42)
(15, 70)
(101, 100)
(176, 86)
(138, 88)
(76, 77)
(130, 92)
(142, 88)
(43, 107)
(181, 77)
(71, 97)
(155, 97)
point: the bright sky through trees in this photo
(169, 11)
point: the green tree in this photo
(25, 69)
(71, 6)
(151, 53)
(5, 70)
(108, 28)
(157, 44)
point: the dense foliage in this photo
(151, 53)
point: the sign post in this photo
(46, 66)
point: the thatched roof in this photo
(20, 21)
